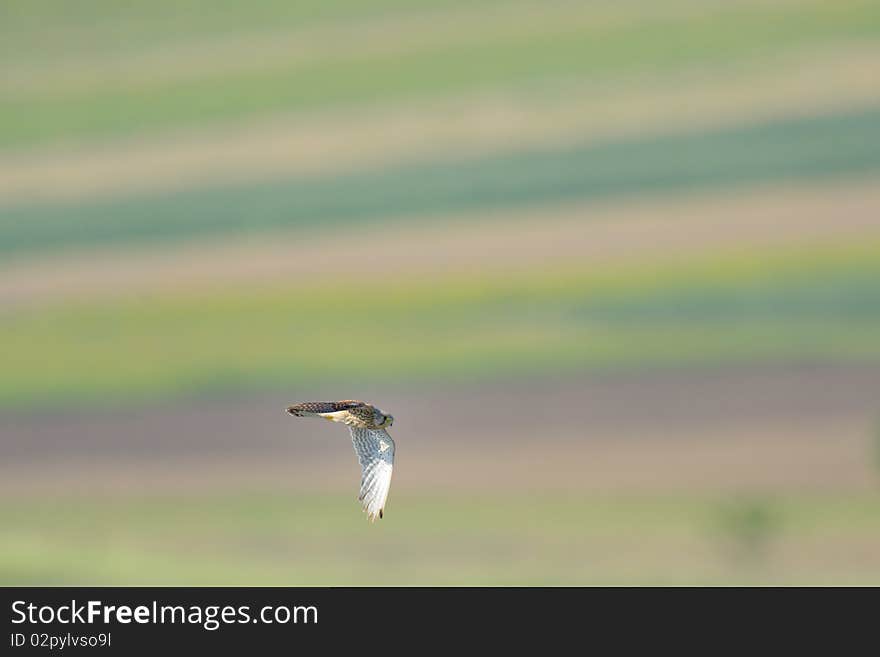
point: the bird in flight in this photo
(372, 444)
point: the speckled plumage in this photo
(372, 444)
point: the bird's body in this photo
(372, 444)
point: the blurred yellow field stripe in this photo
(344, 141)
(585, 236)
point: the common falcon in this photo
(372, 444)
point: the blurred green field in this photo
(632, 239)
(575, 44)
(823, 147)
(814, 305)
(282, 539)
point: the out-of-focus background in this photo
(613, 266)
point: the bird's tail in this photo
(309, 409)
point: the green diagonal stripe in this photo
(576, 49)
(844, 143)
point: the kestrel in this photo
(372, 444)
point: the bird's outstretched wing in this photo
(315, 408)
(375, 452)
